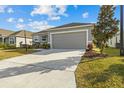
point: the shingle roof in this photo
(4, 32)
(72, 24)
(66, 25)
(21, 34)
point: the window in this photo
(12, 40)
(44, 38)
(36, 38)
(1, 39)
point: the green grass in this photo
(102, 73)
(14, 52)
(112, 51)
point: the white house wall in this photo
(20, 39)
(112, 42)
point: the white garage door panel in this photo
(74, 40)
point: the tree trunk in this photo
(102, 47)
(101, 50)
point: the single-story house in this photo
(115, 41)
(3, 34)
(68, 36)
(18, 38)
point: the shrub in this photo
(26, 45)
(89, 47)
(45, 45)
(8, 46)
(36, 45)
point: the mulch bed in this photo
(93, 54)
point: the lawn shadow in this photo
(116, 69)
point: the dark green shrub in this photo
(45, 45)
(8, 46)
(36, 45)
(24, 46)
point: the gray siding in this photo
(61, 41)
(89, 28)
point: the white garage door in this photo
(72, 40)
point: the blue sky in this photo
(37, 18)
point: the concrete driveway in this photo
(47, 68)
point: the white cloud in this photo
(10, 20)
(52, 11)
(54, 18)
(29, 19)
(62, 10)
(10, 10)
(20, 20)
(85, 15)
(75, 6)
(20, 26)
(39, 25)
(2, 8)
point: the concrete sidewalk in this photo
(48, 68)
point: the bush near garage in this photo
(8, 46)
(26, 45)
(44, 45)
(90, 53)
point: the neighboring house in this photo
(115, 41)
(3, 34)
(68, 36)
(18, 38)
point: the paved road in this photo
(47, 68)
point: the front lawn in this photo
(14, 52)
(101, 73)
(112, 51)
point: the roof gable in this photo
(72, 24)
(65, 26)
(4, 32)
(21, 33)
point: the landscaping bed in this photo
(103, 72)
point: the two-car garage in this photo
(69, 39)
(67, 36)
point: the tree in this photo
(106, 27)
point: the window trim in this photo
(44, 38)
(12, 40)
